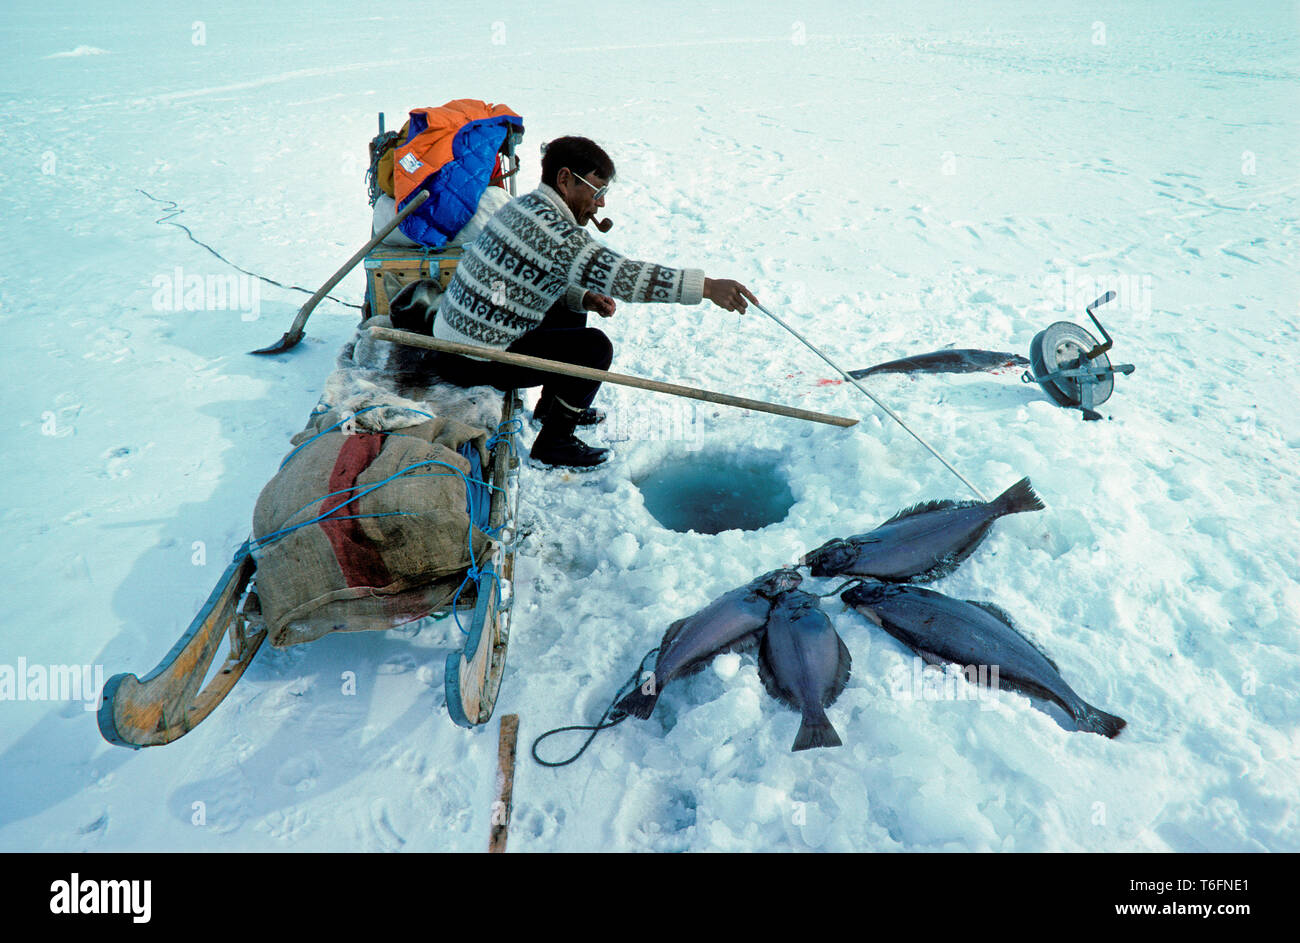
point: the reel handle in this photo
(1100, 348)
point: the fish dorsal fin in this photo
(1004, 617)
(770, 683)
(842, 672)
(925, 507)
(995, 611)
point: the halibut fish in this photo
(921, 543)
(805, 665)
(942, 630)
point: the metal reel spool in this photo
(1064, 346)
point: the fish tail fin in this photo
(1019, 497)
(639, 703)
(1098, 721)
(818, 733)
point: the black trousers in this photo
(563, 335)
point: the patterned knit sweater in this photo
(532, 253)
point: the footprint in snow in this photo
(300, 773)
(117, 462)
(382, 830)
(285, 824)
(99, 825)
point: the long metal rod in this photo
(865, 392)
(604, 376)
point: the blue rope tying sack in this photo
(478, 495)
(516, 427)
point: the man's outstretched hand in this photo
(727, 294)
(601, 304)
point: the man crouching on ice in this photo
(526, 284)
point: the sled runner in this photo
(167, 703)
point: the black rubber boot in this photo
(557, 445)
(587, 417)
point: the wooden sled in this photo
(167, 703)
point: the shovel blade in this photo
(287, 342)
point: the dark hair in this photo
(580, 155)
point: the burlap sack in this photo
(380, 556)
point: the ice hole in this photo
(712, 493)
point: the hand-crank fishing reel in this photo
(1071, 367)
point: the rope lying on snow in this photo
(174, 210)
(611, 714)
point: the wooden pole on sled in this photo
(604, 376)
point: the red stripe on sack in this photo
(356, 555)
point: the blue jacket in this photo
(449, 151)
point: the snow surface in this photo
(891, 180)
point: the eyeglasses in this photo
(597, 192)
